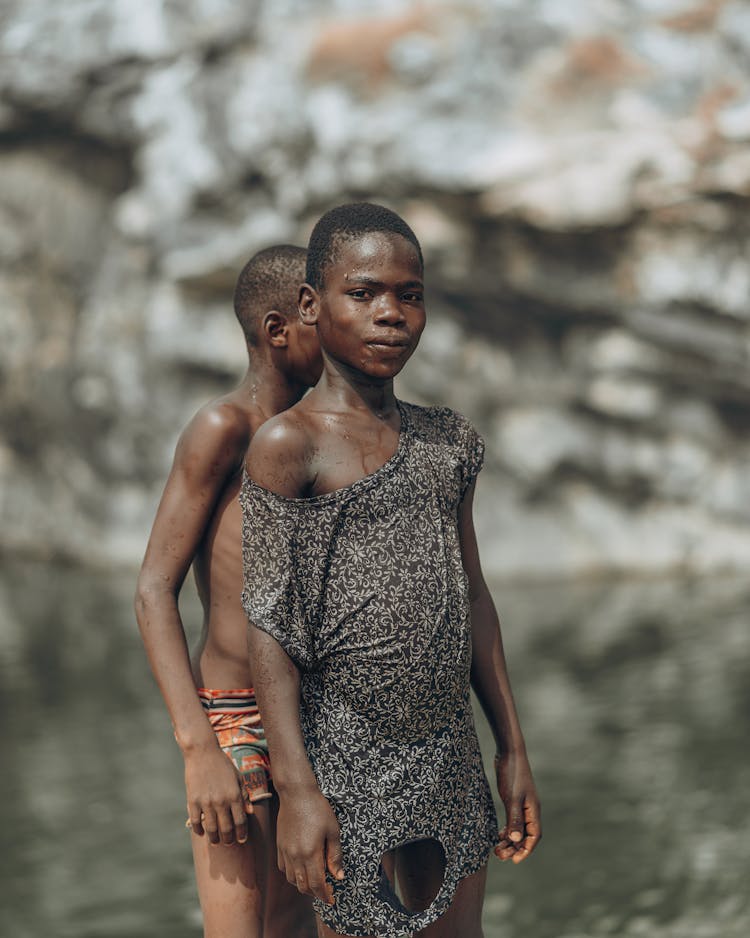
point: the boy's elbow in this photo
(478, 592)
(141, 602)
(150, 593)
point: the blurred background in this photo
(579, 177)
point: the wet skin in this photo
(369, 318)
(220, 658)
(369, 315)
(198, 522)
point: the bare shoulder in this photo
(209, 453)
(279, 455)
(215, 439)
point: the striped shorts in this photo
(235, 719)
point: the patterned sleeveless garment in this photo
(365, 590)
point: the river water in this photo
(635, 700)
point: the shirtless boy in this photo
(370, 617)
(230, 804)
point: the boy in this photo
(198, 521)
(365, 595)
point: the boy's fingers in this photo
(334, 862)
(226, 826)
(526, 848)
(316, 882)
(299, 879)
(239, 816)
(286, 868)
(195, 819)
(210, 825)
(505, 852)
(533, 836)
(518, 849)
(533, 820)
(520, 855)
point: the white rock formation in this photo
(579, 175)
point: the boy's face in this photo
(370, 310)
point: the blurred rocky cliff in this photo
(579, 174)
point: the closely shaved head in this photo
(270, 280)
(345, 223)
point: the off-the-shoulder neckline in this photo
(362, 482)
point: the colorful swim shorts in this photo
(235, 719)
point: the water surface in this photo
(635, 700)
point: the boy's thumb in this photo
(334, 863)
(515, 825)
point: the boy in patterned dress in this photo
(370, 618)
(230, 801)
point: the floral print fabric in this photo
(365, 590)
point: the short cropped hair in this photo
(269, 280)
(345, 223)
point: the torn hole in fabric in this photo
(412, 874)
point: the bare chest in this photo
(346, 455)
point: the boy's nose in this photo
(389, 311)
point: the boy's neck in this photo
(353, 391)
(267, 389)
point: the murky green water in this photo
(635, 699)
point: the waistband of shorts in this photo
(236, 701)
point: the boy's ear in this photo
(309, 302)
(276, 329)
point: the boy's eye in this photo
(413, 297)
(359, 294)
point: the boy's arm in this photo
(489, 678)
(208, 454)
(308, 841)
(307, 834)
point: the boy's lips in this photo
(385, 341)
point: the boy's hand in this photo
(214, 797)
(523, 827)
(308, 843)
